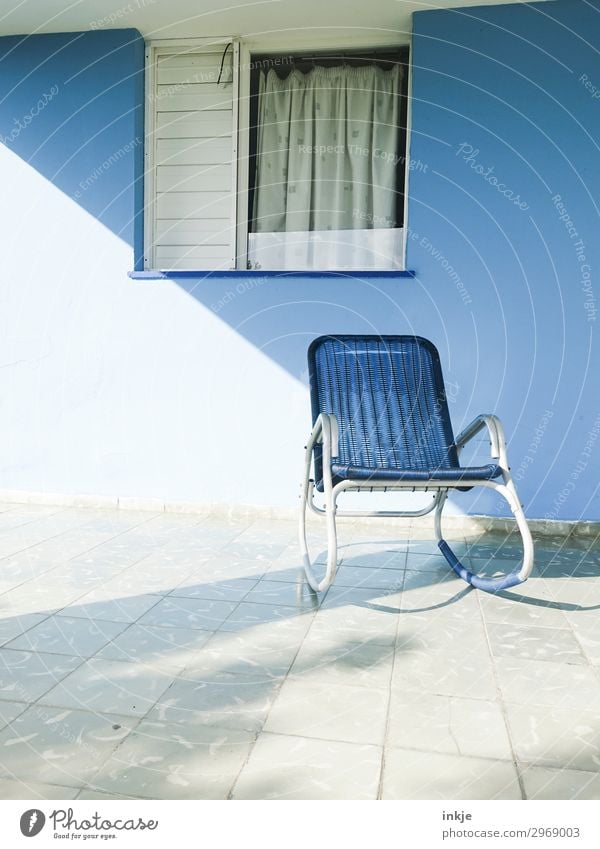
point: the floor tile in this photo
(162, 761)
(587, 635)
(557, 685)
(194, 613)
(68, 635)
(526, 608)
(248, 615)
(247, 660)
(441, 629)
(233, 590)
(507, 546)
(544, 783)
(425, 592)
(410, 774)
(460, 670)
(90, 793)
(10, 710)
(256, 550)
(224, 566)
(229, 703)
(556, 737)
(165, 647)
(37, 596)
(58, 746)
(81, 580)
(24, 676)
(15, 789)
(282, 574)
(14, 626)
(358, 615)
(428, 548)
(110, 686)
(494, 566)
(282, 767)
(298, 595)
(566, 562)
(578, 597)
(330, 712)
(529, 641)
(366, 664)
(383, 553)
(422, 562)
(15, 571)
(451, 725)
(390, 580)
(135, 582)
(583, 613)
(367, 598)
(113, 610)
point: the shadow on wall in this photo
(71, 106)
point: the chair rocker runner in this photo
(381, 422)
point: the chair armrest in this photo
(496, 434)
(325, 431)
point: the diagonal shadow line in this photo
(541, 602)
(536, 602)
(385, 609)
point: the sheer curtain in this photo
(327, 157)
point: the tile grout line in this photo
(380, 787)
(75, 527)
(80, 554)
(30, 521)
(57, 611)
(502, 705)
(272, 704)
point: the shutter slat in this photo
(193, 205)
(193, 125)
(202, 231)
(200, 98)
(201, 256)
(193, 178)
(199, 74)
(193, 151)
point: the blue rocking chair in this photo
(381, 422)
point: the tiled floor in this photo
(179, 656)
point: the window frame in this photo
(243, 52)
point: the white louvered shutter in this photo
(192, 205)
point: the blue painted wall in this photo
(506, 114)
(177, 389)
(71, 106)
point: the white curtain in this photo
(327, 160)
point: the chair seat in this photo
(363, 473)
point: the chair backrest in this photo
(388, 395)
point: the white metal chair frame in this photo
(325, 433)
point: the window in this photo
(319, 180)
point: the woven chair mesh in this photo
(388, 396)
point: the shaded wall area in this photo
(71, 106)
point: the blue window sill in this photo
(155, 274)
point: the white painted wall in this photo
(111, 386)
